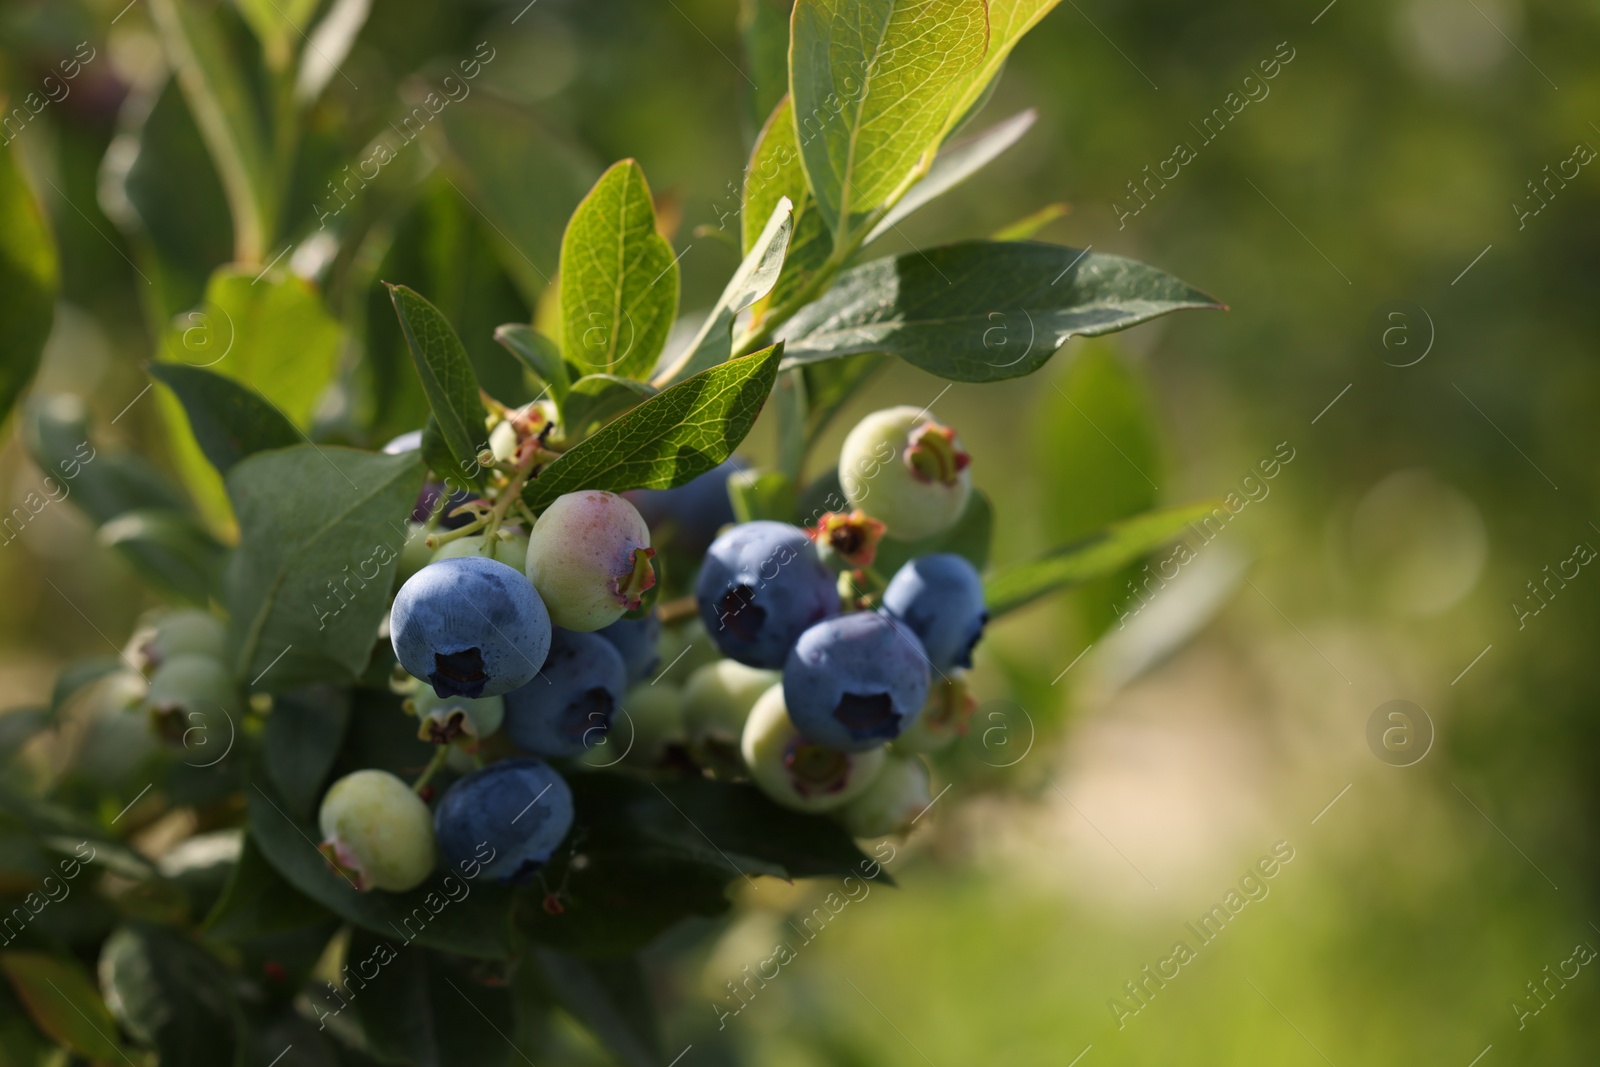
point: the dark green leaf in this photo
(421, 1008)
(596, 399)
(955, 163)
(764, 28)
(446, 374)
(969, 537)
(611, 998)
(303, 736)
(229, 420)
(874, 83)
(982, 311)
(170, 995)
(758, 272)
(63, 1002)
(100, 483)
(539, 355)
(619, 278)
(258, 902)
(1093, 557)
(669, 439)
(28, 279)
(448, 911)
(171, 550)
(320, 535)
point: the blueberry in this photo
(192, 698)
(376, 832)
(569, 706)
(901, 467)
(760, 588)
(941, 598)
(949, 707)
(689, 516)
(471, 627)
(717, 700)
(856, 681)
(895, 798)
(589, 556)
(519, 808)
(637, 640)
(510, 547)
(795, 771)
(456, 718)
(178, 633)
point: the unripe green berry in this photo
(944, 716)
(907, 471)
(510, 547)
(415, 553)
(794, 771)
(189, 692)
(377, 832)
(899, 794)
(650, 719)
(455, 718)
(187, 631)
(716, 702)
(589, 557)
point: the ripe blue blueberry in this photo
(856, 681)
(689, 516)
(941, 598)
(376, 832)
(637, 640)
(760, 588)
(796, 771)
(519, 807)
(589, 557)
(471, 627)
(569, 706)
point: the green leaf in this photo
(596, 399)
(170, 549)
(969, 537)
(754, 279)
(423, 1008)
(102, 484)
(773, 172)
(446, 374)
(213, 79)
(28, 281)
(303, 736)
(669, 439)
(761, 495)
(619, 278)
(61, 999)
(983, 311)
(229, 420)
(955, 163)
(1008, 21)
(764, 30)
(280, 25)
(524, 180)
(171, 995)
(831, 383)
(1093, 557)
(259, 902)
(320, 536)
(539, 354)
(448, 911)
(611, 998)
(272, 336)
(874, 83)
(78, 675)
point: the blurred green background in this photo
(1384, 171)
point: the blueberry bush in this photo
(485, 659)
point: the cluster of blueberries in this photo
(807, 673)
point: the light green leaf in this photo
(279, 25)
(1008, 21)
(273, 336)
(446, 373)
(754, 279)
(524, 180)
(473, 924)
(983, 311)
(874, 83)
(229, 420)
(61, 999)
(213, 80)
(669, 439)
(619, 279)
(773, 172)
(955, 163)
(1093, 557)
(596, 399)
(539, 354)
(171, 995)
(320, 537)
(28, 280)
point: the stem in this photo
(439, 756)
(512, 493)
(672, 612)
